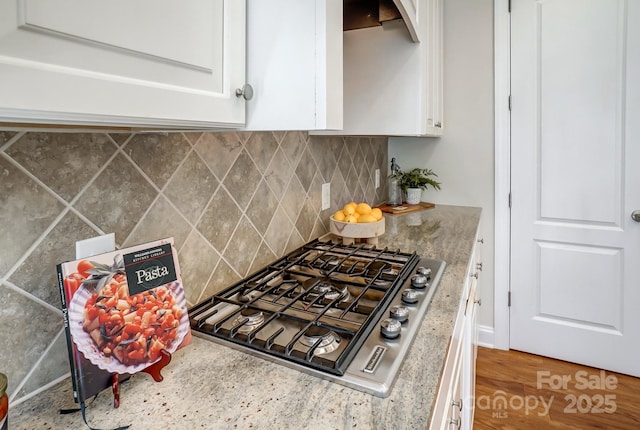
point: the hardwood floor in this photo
(515, 390)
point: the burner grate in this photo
(322, 287)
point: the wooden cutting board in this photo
(407, 208)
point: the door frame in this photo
(502, 171)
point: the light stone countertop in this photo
(210, 386)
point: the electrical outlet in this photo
(377, 178)
(326, 196)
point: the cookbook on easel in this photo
(122, 311)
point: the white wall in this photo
(464, 157)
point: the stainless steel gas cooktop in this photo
(347, 313)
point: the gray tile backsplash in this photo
(233, 202)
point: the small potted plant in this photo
(414, 181)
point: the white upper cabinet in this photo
(392, 86)
(156, 64)
(294, 64)
(409, 11)
(144, 63)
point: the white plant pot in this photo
(414, 195)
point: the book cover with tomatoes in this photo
(123, 311)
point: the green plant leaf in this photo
(417, 178)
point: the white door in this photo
(147, 62)
(575, 272)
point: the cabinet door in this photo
(455, 420)
(447, 409)
(295, 64)
(470, 345)
(148, 62)
(390, 86)
(409, 11)
(446, 406)
(435, 101)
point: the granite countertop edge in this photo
(212, 386)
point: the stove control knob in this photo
(419, 281)
(390, 328)
(423, 271)
(410, 296)
(399, 312)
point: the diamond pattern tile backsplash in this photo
(233, 202)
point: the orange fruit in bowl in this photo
(367, 218)
(376, 213)
(363, 209)
(339, 216)
(351, 219)
(349, 209)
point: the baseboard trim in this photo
(486, 336)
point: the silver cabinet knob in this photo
(438, 124)
(635, 215)
(245, 92)
(479, 302)
(457, 423)
(457, 404)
